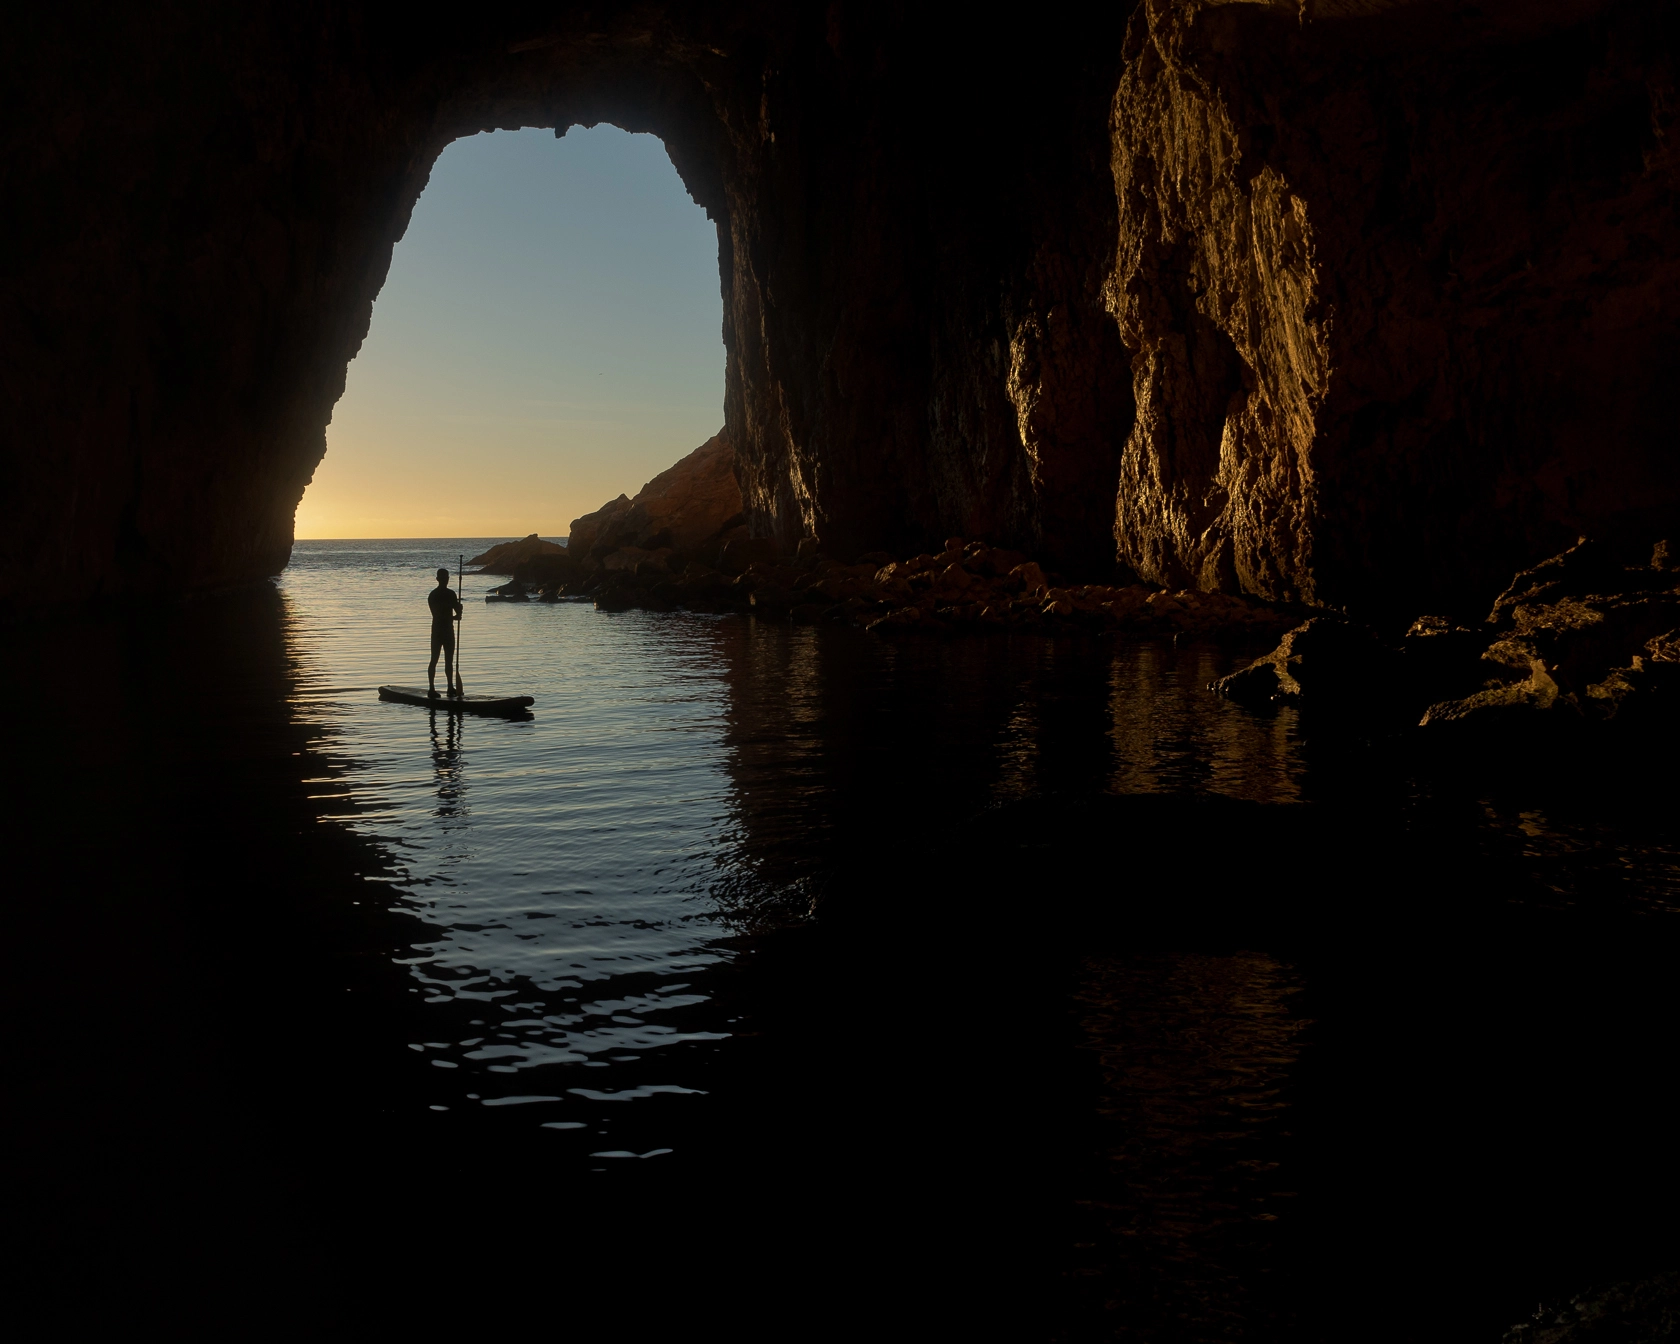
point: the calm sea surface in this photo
(1009, 984)
(682, 780)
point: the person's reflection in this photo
(446, 763)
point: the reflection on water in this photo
(1167, 739)
(446, 762)
(830, 931)
(1195, 1052)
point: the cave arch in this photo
(931, 231)
(549, 333)
(867, 335)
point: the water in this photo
(1011, 985)
(566, 862)
(680, 783)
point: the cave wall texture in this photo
(1360, 303)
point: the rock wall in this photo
(1349, 302)
(1400, 292)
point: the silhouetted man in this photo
(445, 608)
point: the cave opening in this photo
(548, 336)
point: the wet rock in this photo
(996, 562)
(953, 581)
(770, 600)
(1536, 691)
(1440, 661)
(1644, 1312)
(1664, 648)
(1575, 636)
(512, 591)
(1324, 660)
(906, 618)
(740, 553)
(1585, 567)
(1646, 693)
(624, 558)
(1029, 575)
(969, 584)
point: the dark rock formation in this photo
(689, 513)
(1382, 280)
(1359, 303)
(1624, 1313)
(1577, 639)
(691, 510)
(507, 557)
(1323, 659)
(969, 586)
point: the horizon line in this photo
(487, 536)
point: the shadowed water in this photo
(1017, 982)
(680, 781)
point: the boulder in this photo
(690, 510)
(738, 554)
(510, 555)
(1585, 567)
(1030, 576)
(1576, 636)
(1535, 690)
(1664, 648)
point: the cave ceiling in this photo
(1357, 303)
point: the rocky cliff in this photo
(691, 507)
(1357, 303)
(1393, 287)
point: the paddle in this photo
(460, 611)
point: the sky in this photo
(550, 336)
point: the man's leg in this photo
(431, 667)
(449, 665)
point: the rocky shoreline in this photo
(1580, 639)
(682, 543)
(1576, 641)
(968, 585)
(1624, 1313)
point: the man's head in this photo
(443, 577)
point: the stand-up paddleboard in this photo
(504, 705)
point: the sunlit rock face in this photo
(1355, 302)
(1399, 293)
(692, 506)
